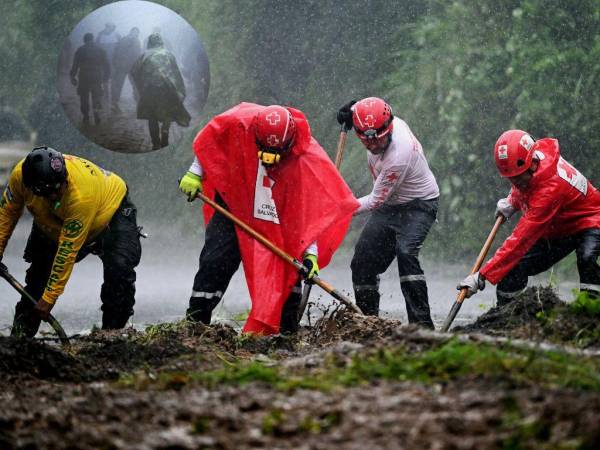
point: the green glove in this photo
(191, 185)
(312, 267)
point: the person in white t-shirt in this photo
(403, 205)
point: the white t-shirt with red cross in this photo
(400, 173)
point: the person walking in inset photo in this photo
(127, 52)
(161, 91)
(89, 70)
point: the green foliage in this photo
(585, 303)
(458, 72)
(272, 421)
(447, 362)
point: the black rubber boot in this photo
(289, 315)
(26, 321)
(368, 301)
(114, 321)
(198, 316)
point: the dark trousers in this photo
(116, 85)
(159, 136)
(394, 232)
(547, 252)
(85, 91)
(120, 251)
(219, 259)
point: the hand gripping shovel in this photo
(287, 258)
(482, 254)
(64, 340)
(338, 162)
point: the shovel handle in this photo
(283, 255)
(55, 324)
(460, 298)
(340, 148)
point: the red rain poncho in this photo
(304, 193)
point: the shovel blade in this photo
(451, 315)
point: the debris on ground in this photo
(347, 382)
(539, 314)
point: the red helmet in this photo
(275, 130)
(513, 153)
(372, 118)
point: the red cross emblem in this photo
(272, 140)
(369, 103)
(273, 118)
(568, 168)
(391, 177)
(370, 121)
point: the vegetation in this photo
(445, 363)
(458, 72)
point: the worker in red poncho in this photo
(561, 214)
(263, 165)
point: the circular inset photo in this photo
(133, 76)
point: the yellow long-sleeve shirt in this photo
(90, 200)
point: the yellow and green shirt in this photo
(90, 200)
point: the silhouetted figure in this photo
(166, 43)
(108, 39)
(128, 50)
(161, 89)
(89, 70)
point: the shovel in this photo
(482, 254)
(283, 255)
(64, 340)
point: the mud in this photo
(145, 390)
(539, 314)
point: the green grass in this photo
(448, 362)
(163, 330)
(585, 304)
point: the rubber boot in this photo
(114, 321)
(26, 322)
(201, 308)
(368, 301)
(289, 315)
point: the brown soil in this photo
(54, 398)
(538, 314)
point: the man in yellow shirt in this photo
(78, 208)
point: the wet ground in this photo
(165, 276)
(119, 129)
(347, 382)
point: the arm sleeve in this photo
(11, 208)
(75, 65)
(196, 168)
(312, 249)
(528, 231)
(514, 200)
(72, 237)
(384, 185)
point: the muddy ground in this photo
(348, 382)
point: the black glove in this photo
(344, 115)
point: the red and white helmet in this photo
(275, 129)
(372, 118)
(513, 153)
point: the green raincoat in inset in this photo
(160, 85)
